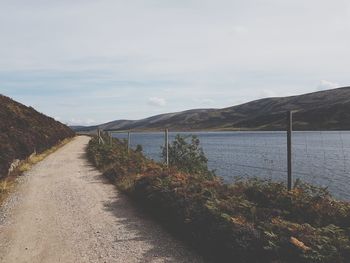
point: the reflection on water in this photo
(321, 158)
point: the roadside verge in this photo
(8, 183)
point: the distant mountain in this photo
(78, 127)
(329, 109)
(23, 130)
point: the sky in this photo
(86, 62)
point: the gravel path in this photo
(65, 211)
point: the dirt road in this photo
(65, 211)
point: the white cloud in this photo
(266, 93)
(325, 84)
(156, 101)
(82, 122)
(204, 101)
(108, 57)
(239, 29)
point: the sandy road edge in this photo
(9, 184)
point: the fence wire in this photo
(320, 158)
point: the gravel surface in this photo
(65, 211)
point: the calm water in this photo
(321, 158)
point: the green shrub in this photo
(187, 156)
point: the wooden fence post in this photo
(100, 139)
(128, 141)
(167, 147)
(99, 136)
(289, 147)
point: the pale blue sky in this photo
(91, 61)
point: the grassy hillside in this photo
(23, 130)
(323, 110)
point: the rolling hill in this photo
(23, 131)
(329, 109)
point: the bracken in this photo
(247, 221)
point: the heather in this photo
(247, 221)
(24, 131)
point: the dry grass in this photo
(27, 164)
(7, 184)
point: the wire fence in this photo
(321, 158)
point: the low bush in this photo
(247, 221)
(187, 156)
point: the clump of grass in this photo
(24, 167)
(247, 221)
(6, 186)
